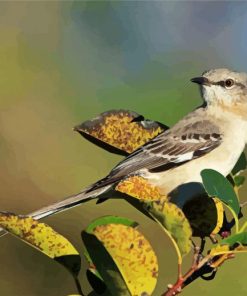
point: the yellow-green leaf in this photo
(123, 258)
(43, 238)
(175, 223)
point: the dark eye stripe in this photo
(222, 83)
(240, 84)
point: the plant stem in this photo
(243, 227)
(176, 288)
(196, 271)
(179, 271)
(180, 284)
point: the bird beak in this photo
(200, 80)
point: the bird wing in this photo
(187, 140)
(190, 138)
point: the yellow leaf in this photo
(133, 256)
(139, 188)
(219, 249)
(43, 238)
(225, 249)
(220, 215)
(121, 129)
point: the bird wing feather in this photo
(188, 140)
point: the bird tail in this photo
(68, 202)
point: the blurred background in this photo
(62, 63)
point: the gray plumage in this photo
(191, 138)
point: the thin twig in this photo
(206, 265)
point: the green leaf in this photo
(240, 238)
(216, 185)
(236, 243)
(240, 165)
(43, 238)
(174, 221)
(122, 256)
(109, 220)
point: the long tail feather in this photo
(64, 204)
(67, 203)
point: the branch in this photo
(205, 266)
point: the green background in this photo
(62, 63)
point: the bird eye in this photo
(229, 83)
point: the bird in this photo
(212, 136)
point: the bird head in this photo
(223, 87)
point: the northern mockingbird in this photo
(213, 136)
